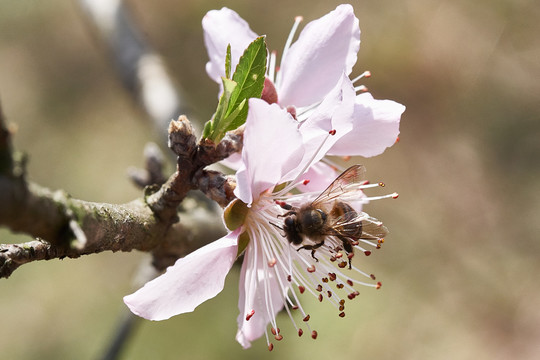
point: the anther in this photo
(332, 132)
(300, 332)
(332, 276)
(372, 276)
(329, 293)
(367, 252)
(270, 347)
(272, 262)
(341, 308)
(342, 314)
(381, 184)
(301, 289)
(395, 195)
(320, 297)
(338, 255)
(275, 331)
(319, 288)
(349, 282)
(306, 318)
(342, 302)
(350, 255)
(342, 264)
(289, 278)
(278, 337)
(250, 315)
(378, 286)
(340, 286)
(305, 182)
(314, 334)
(324, 279)
(311, 269)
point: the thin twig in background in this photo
(141, 70)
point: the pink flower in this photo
(275, 274)
(311, 70)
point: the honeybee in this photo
(331, 214)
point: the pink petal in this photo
(325, 49)
(256, 288)
(334, 113)
(376, 127)
(189, 282)
(223, 27)
(272, 148)
(320, 176)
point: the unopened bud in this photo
(182, 141)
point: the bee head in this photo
(313, 220)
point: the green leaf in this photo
(249, 73)
(228, 62)
(247, 82)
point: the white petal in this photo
(376, 127)
(272, 148)
(221, 28)
(325, 49)
(189, 282)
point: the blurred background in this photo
(460, 268)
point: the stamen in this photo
(288, 43)
(272, 66)
(365, 74)
(393, 196)
(361, 88)
(250, 315)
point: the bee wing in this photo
(353, 175)
(347, 226)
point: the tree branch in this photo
(142, 71)
(73, 227)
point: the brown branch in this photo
(69, 227)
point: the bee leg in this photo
(348, 247)
(312, 248)
(288, 213)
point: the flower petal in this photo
(325, 49)
(334, 113)
(221, 28)
(376, 127)
(272, 148)
(260, 295)
(320, 176)
(189, 282)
